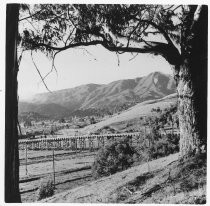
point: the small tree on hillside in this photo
(114, 157)
(27, 123)
(62, 120)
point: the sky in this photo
(79, 66)
(93, 64)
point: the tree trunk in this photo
(192, 88)
(11, 109)
(189, 131)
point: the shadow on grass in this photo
(182, 182)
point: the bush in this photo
(159, 146)
(46, 189)
(119, 155)
(114, 157)
(164, 146)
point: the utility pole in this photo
(26, 162)
(53, 168)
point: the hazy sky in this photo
(77, 66)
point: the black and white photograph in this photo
(105, 102)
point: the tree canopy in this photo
(154, 29)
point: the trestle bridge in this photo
(86, 142)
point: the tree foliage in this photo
(119, 28)
(114, 157)
(163, 118)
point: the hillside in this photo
(166, 180)
(153, 86)
(135, 112)
(115, 94)
(48, 110)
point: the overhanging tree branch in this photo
(52, 68)
(39, 72)
(169, 52)
(32, 15)
(158, 28)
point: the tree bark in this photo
(189, 131)
(192, 88)
(11, 109)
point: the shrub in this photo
(159, 146)
(164, 146)
(114, 157)
(46, 189)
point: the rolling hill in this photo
(135, 112)
(115, 94)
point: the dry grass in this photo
(182, 182)
(165, 180)
(102, 189)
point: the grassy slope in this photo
(139, 110)
(165, 180)
(181, 182)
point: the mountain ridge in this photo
(99, 96)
